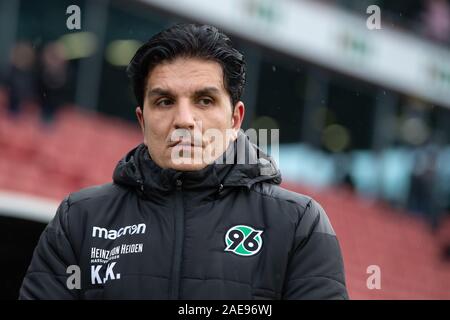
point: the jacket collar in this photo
(241, 165)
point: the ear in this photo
(140, 116)
(237, 117)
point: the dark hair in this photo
(188, 41)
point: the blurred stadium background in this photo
(364, 118)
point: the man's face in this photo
(187, 118)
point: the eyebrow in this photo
(207, 91)
(159, 92)
(165, 92)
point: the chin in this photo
(188, 166)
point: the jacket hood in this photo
(242, 164)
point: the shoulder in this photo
(90, 200)
(88, 203)
(309, 213)
(282, 195)
(94, 193)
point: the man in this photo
(180, 220)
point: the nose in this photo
(184, 117)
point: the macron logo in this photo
(98, 232)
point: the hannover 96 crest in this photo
(243, 240)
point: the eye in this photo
(164, 102)
(206, 101)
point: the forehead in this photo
(186, 74)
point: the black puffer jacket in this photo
(224, 232)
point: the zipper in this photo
(179, 235)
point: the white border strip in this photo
(24, 206)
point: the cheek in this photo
(156, 132)
(155, 128)
(219, 119)
(221, 124)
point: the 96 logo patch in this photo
(243, 240)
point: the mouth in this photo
(183, 144)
